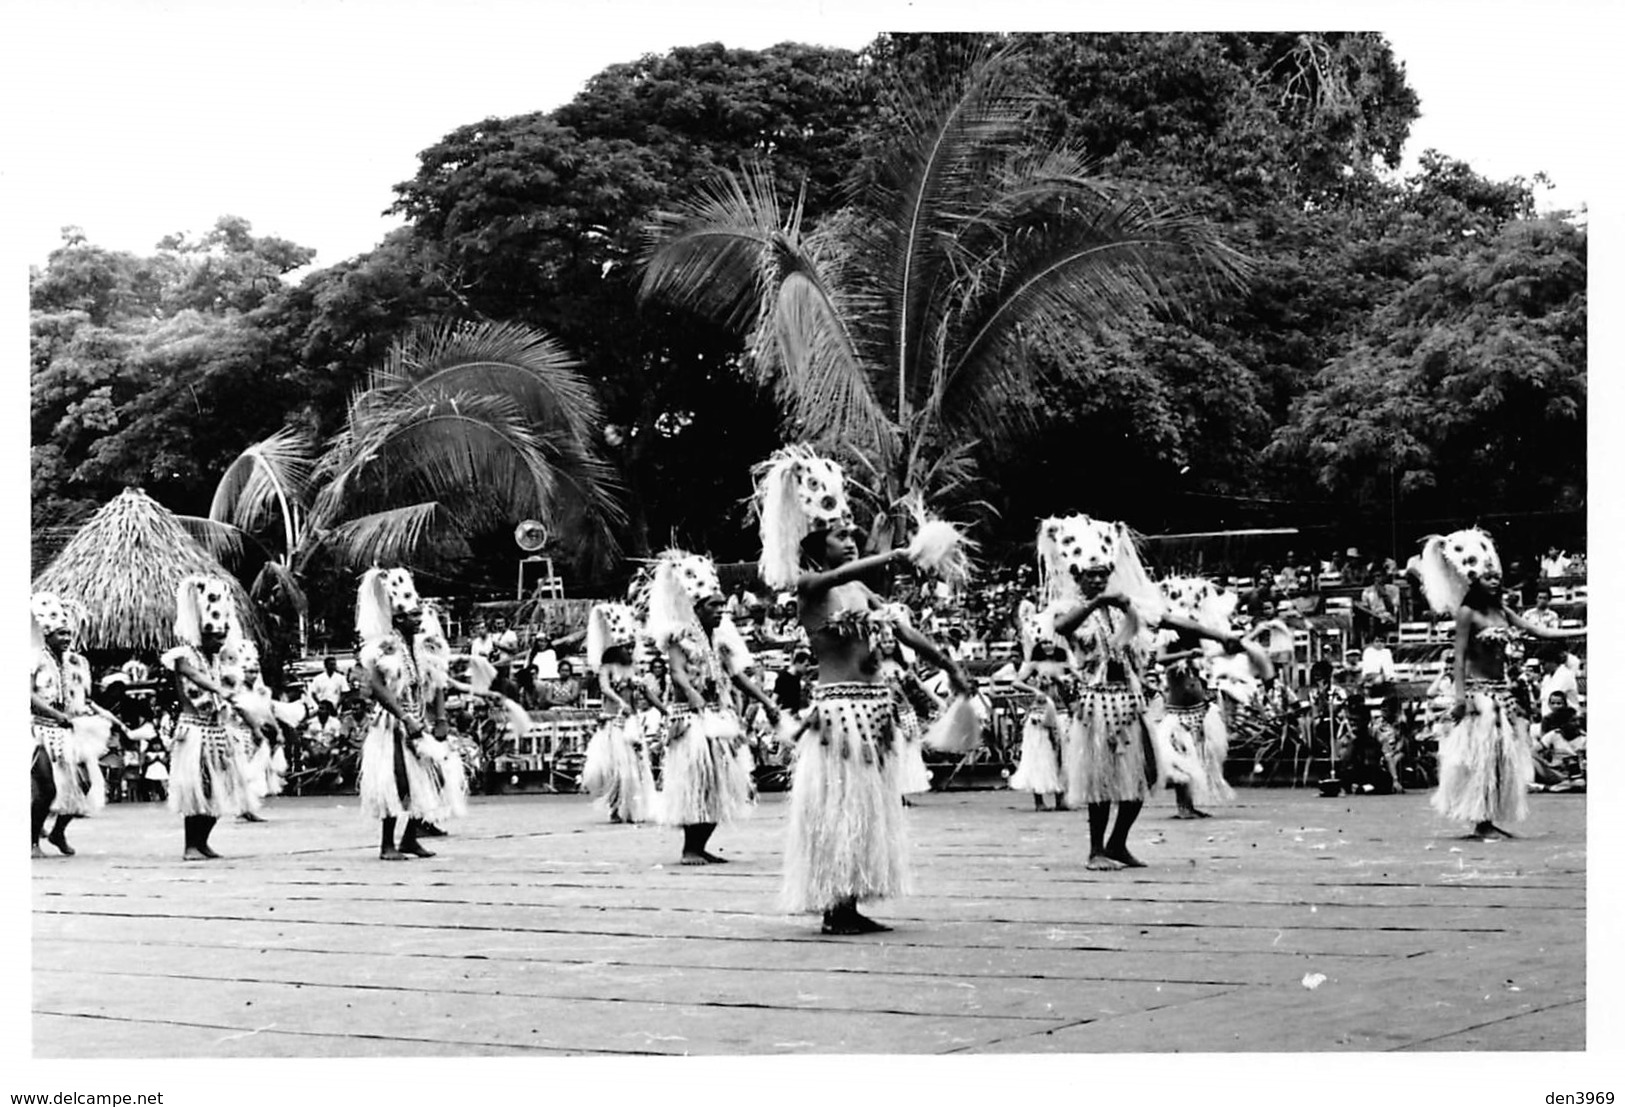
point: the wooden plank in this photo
(540, 928)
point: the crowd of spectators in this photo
(978, 626)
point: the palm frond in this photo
(393, 536)
(270, 480)
(529, 366)
(820, 373)
(1055, 283)
(273, 578)
(223, 541)
(707, 255)
(935, 177)
(441, 448)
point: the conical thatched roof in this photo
(123, 568)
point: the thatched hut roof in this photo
(123, 568)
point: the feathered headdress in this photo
(1073, 544)
(609, 626)
(382, 595)
(680, 581)
(1450, 563)
(49, 614)
(797, 493)
(1201, 601)
(1038, 627)
(204, 605)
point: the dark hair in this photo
(1480, 598)
(813, 548)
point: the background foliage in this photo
(1407, 349)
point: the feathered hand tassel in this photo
(518, 718)
(480, 673)
(938, 546)
(957, 730)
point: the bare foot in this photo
(713, 859)
(1487, 832)
(35, 852)
(615, 818)
(1191, 814)
(393, 855)
(693, 859)
(60, 841)
(416, 850)
(194, 854)
(250, 817)
(1124, 857)
(1101, 863)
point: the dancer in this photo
(1043, 675)
(617, 765)
(65, 775)
(1192, 734)
(704, 784)
(267, 764)
(1485, 764)
(405, 772)
(208, 767)
(847, 839)
(1104, 607)
(916, 704)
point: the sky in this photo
(137, 119)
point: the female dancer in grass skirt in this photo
(617, 766)
(1044, 675)
(1485, 759)
(848, 838)
(1192, 735)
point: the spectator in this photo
(562, 692)
(790, 687)
(1377, 664)
(1542, 614)
(482, 643)
(1263, 593)
(737, 605)
(1288, 582)
(1377, 612)
(1554, 564)
(329, 686)
(1557, 679)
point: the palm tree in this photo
(463, 429)
(916, 323)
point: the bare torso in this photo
(842, 654)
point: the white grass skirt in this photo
(1109, 756)
(1038, 770)
(702, 777)
(396, 783)
(1192, 743)
(208, 774)
(75, 769)
(617, 771)
(1485, 764)
(848, 835)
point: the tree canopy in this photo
(1403, 344)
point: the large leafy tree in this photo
(907, 327)
(1468, 387)
(464, 429)
(153, 371)
(536, 218)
